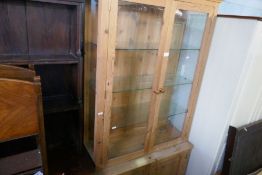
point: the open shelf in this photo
(62, 103)
(39, 59)
(153, 49)
(58, 87)
(19, 155)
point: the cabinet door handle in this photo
(159, 91)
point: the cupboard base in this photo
(171, 161)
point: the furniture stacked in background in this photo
(144, 62)
(243, 153)
(234, 96)
(46, 36)
(22, 136)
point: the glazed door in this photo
(180, 75)
(134, 39)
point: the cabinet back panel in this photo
(37, 29)
(49, 28)
(13, 33)
(56, 79)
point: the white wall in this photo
(241, 7)
(249, 103)
(231, 74)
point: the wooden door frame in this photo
(202, 58)
(112, 29)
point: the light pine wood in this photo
(101, 72)
(158, 77)
(132, 68)
(197, 8)
(113, 6)
(159, 162)
(160, 3)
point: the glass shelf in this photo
(132, 114)
(172, 106)
(144, 82)
(152, 49)
(129, 115)
(184, 49)
(136, 49)
(170, 128)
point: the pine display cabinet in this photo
(144, 61)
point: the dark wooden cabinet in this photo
(46, 35)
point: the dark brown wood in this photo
(243, 153)
(49, 28)
(27, 161)
(241, 17)
(13, 32)
(229, 150)
(35, 31)
(69, 2)
(46, 36)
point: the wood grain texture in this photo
(16, 73)
(18, 115)
(165, 162)
(21, 112)
(102, 49)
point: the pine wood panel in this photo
(172, 160)
(101, 72)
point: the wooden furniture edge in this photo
(240, 17)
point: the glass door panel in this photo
(186, 41)
(137, 41)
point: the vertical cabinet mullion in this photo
(162, 61)
(102, 44)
